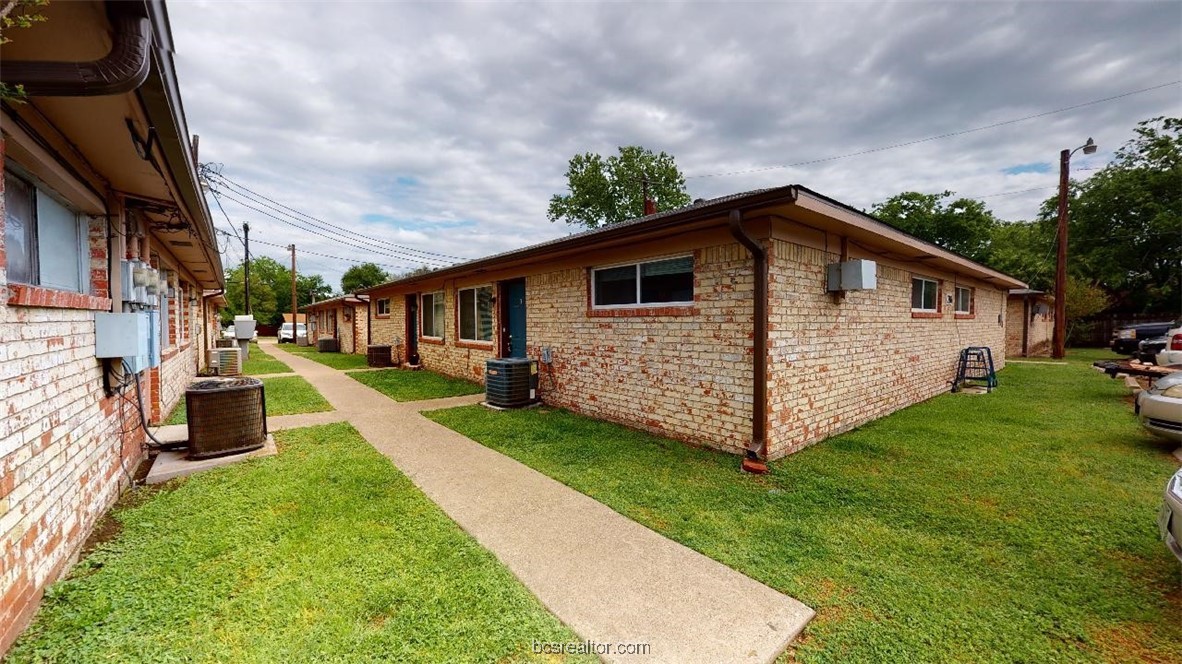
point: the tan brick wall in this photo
(838, 363)
(687, 376)
(1040, 328)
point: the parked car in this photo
(1125, 339)
(1160, 407)
(285, 332)
(1171, 353)
(1169, 520)
(1147, 350)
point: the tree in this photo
(1124, 221)
(1026, 250)
(311, 288)
(964, 225)
(1083, 301)
(362, 276)
(608, 191)
(262, 297)
(17, 14)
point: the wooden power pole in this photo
(246, 265)
(295, 316)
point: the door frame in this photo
(411, 325)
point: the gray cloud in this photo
(448, 126)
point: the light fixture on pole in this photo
(1059, 341)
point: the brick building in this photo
(714, 324)
(102, 213)
(1030, 323)
(344, 318)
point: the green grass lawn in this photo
(1016, 526)
(402, 385)
(261, 363)
(344, 361)
(323, 553)
(286, 395)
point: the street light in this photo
(1059, 341)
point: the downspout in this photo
(755, 461)
(122, 70)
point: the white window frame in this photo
(39, 190)
(935, 284)
(956, 302)
(386, 301)
(423, 315)
(639, 304)
(476, 313)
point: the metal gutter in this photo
(123, 69)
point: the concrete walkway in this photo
(607, 577)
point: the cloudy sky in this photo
(447, 127)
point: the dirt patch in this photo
(1128, 642)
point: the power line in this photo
(938, 137)
(347, 243)
(348, 260)
(273, 204)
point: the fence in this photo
(1096, 331)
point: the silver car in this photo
(1160, 407)
(1169, 521)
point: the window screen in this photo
(923, 294)
(964, 300)
(59, 245)
(655, 282)
(433, 314)
(19, 230)
(476, 313)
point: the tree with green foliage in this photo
(311, 288)
(608, 191)
(1125, 228)
(17, 14)
(963, 225)
(361, 276)
(1026, 250)
(262, 297)
(270, 291)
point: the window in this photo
(43, 239)
(924, 295)
(476, 317)
(964, 300)
(433, 314)
(384, 306)
(666, 281)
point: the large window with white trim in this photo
(476, 313)
(44, 240)
(432, 308)
(925, 295)
(668, 281)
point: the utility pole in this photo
(1059, 336)
(246, 263)
(295, 316)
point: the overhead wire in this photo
(246, 192)
(350, 244)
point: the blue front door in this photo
(515, 317)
